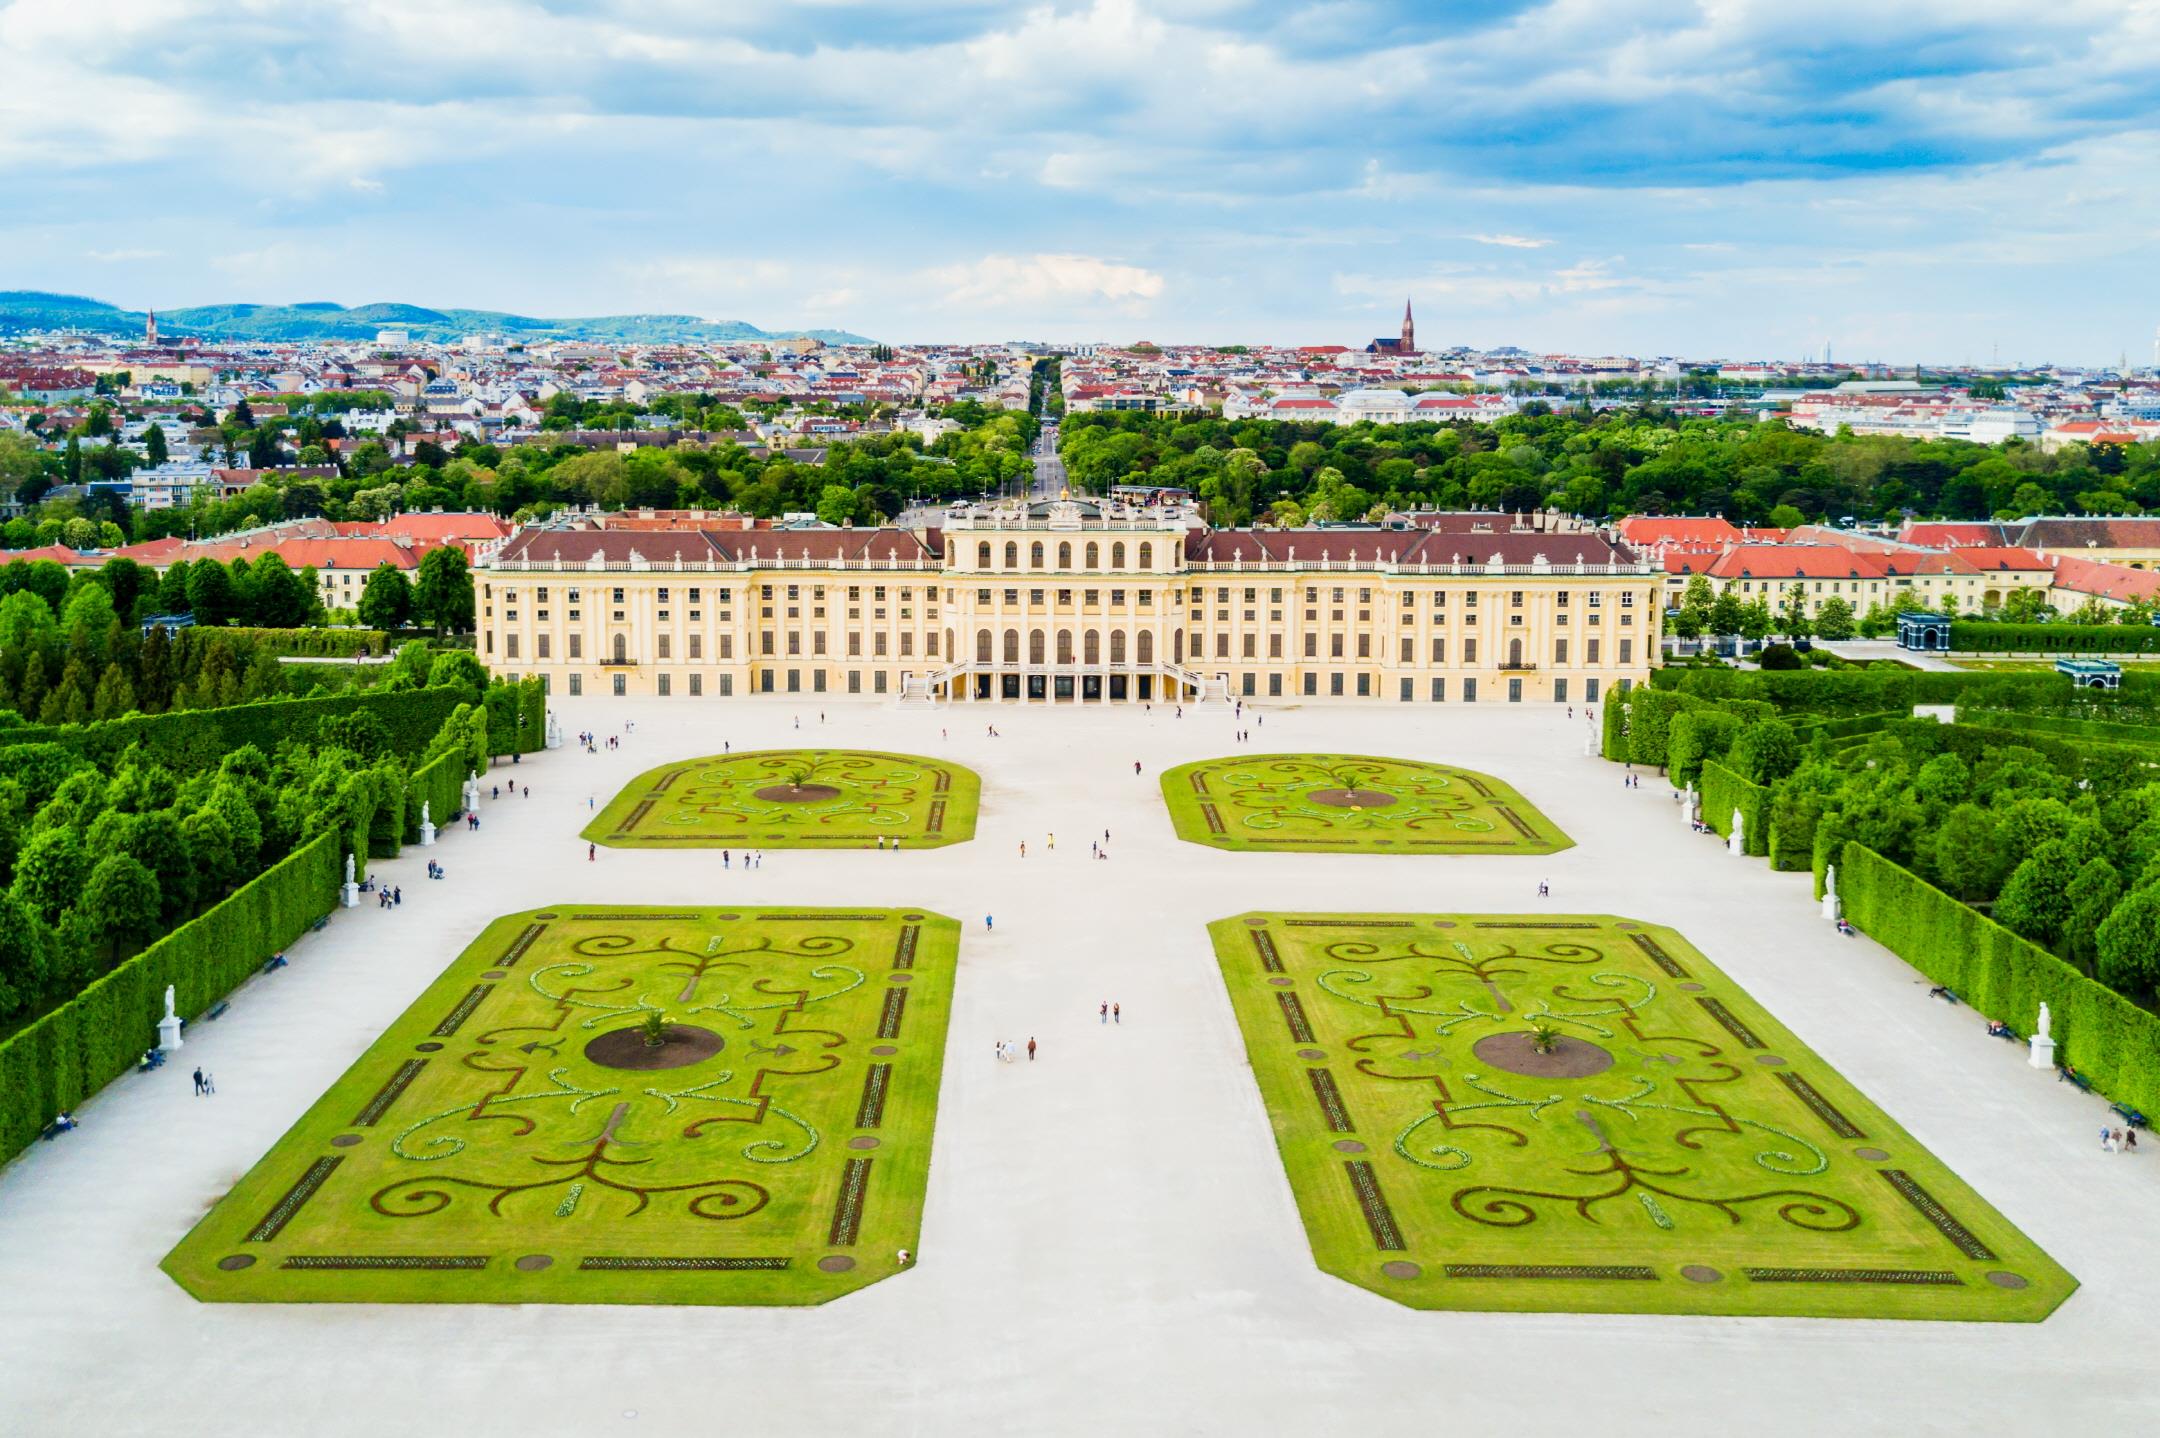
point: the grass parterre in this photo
(600, 1104)
(1579, 1113)
(792, 799)
(1290, 803)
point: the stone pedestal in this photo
(1832, 910)
(1589, 743)
(168, 1033)
(2043, 1052)
(427, 836)
(349, 894)
(1687, 808)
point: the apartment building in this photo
(1072, 601)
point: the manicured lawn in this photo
(1333, 803)
(792, 799)
(1677, 1151)
(512, 1138)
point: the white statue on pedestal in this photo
(1831, 909)
(168, 1029)
(427, 826)
(349, 891)
(1736, 842)
(348, 868)
(2043, 1046)
(1687, 805)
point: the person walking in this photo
(1031, 1048)
(592, 853)
(198, 1082)
(1053, 841)
(1102, 1015)
(726, 857)
(989, 921)
(1023, 848)
(1136, 766)
(209, 1083)
(1117, 1013)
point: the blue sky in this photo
(1905, 180)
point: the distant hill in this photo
(22, 310)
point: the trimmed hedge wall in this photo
(507, 704)
(1987, 637)
(1613, 740)
(1724, 791)
(2106, 1037)
(86, 1043)
(315, 643)
(2061, 726)
(194, 739)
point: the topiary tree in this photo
(1970, 860)
(122, 901)
(2129, 944)
(1766, 752)
(2034, 903)
(2093, 895)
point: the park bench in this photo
(152, 1058)
(2075, 1079)
(57, 1127)
(319, 925)
(1944, 992)
(2007, 1033)
(275, 961)
(217, 1011)
(2130, 1115)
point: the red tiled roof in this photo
(2101, 580)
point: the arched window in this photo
(1065, 556)
(1012, 646)
(1012, 555)
(1147, 556)
(1145, 645)
(1091, 647)
(1094, 554)
(1065, 646)
(1117, 646)
(982, 646)
(1514, 653)
(1035, 646)
(1177, 646)
(1117, 555)
(621, 648)
(982, 555)
(1035, 555)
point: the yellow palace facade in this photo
(1072, 602)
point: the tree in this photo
(444, 595)
(2034, 903)
(154, 447)
(386, 599)
(25, 956)
(2093, 894)
(211, 594)
(49, 872)
(1792, 614)
(1766, 752)
(2129, 943)
(1755, 621)
(409, 670)
(459, 668)
(1784, 516)
(277, 597)
(1969, 856)
(1834, 619)
(122, 900)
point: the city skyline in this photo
(1926, 183)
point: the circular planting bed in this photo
(680, 1046)
(1516, 1053)
(792, 794)
(1352, 798)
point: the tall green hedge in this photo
(194, 739)
(1724, 791)
(440, 784)
(317, 643)
(2106, 1037)
(78, 1048)
(2061, 726)
(1989, 637)
(1613, 740)
(507, 705)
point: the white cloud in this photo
(121, 257)
(1021, 282)
(1512, 242)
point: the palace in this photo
(1072, 601)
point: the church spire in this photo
(1409, 327)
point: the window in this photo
(1274, 646)
(1334, 684)
(854, 681)
(727, 685)
(664, 691)
(1469, 691)
(1514, 691)
(542, 642)
(1312, 682)
(1439, 691)
(1147, 556)
(1559, 691)
(577, 685)
(1012, 561)
(509, 645)
(982, 555)
(1590, 651)
(619, 686)
(666, 641)
(697, 646)
(1589, 691)
(1439, 652)
(1065, 555)
(1409, 652)
(1559, 651)
(697, 685)
(1035, 555)
(577, 646)
(1311, 642)
(1335, 646)
(1117, 554)
(618, 596)
(1469, 651)
(1627, 651)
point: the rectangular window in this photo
(697, 681)
(794, 681)
(817, 681)
(1439, 691)
(1559, 691)
(1590, 651)
(666, 643)
(1589, 691)
(1559, 651)
(1404, 696)
(727, 686)
(727, 646)
(577, 646)
(1469, 651)
(1364, 645)
(1222, 646)
(509, 645)
(1311, 645)
(1514, 691)
(854, 681)
(1439, 651)
(697, 646)
(1274, 686)
(542, 642)
(907, 644)
(1627, 651)
(877, 682)
(1334, 683)
(577, 685)
(1469, 691)
(877, 644)
(1334, 646)
(619, 686)
(794, 641)
(1312, 683)
(664, 690)
(1274, 646)
(1252, 646)
(1409, 650)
